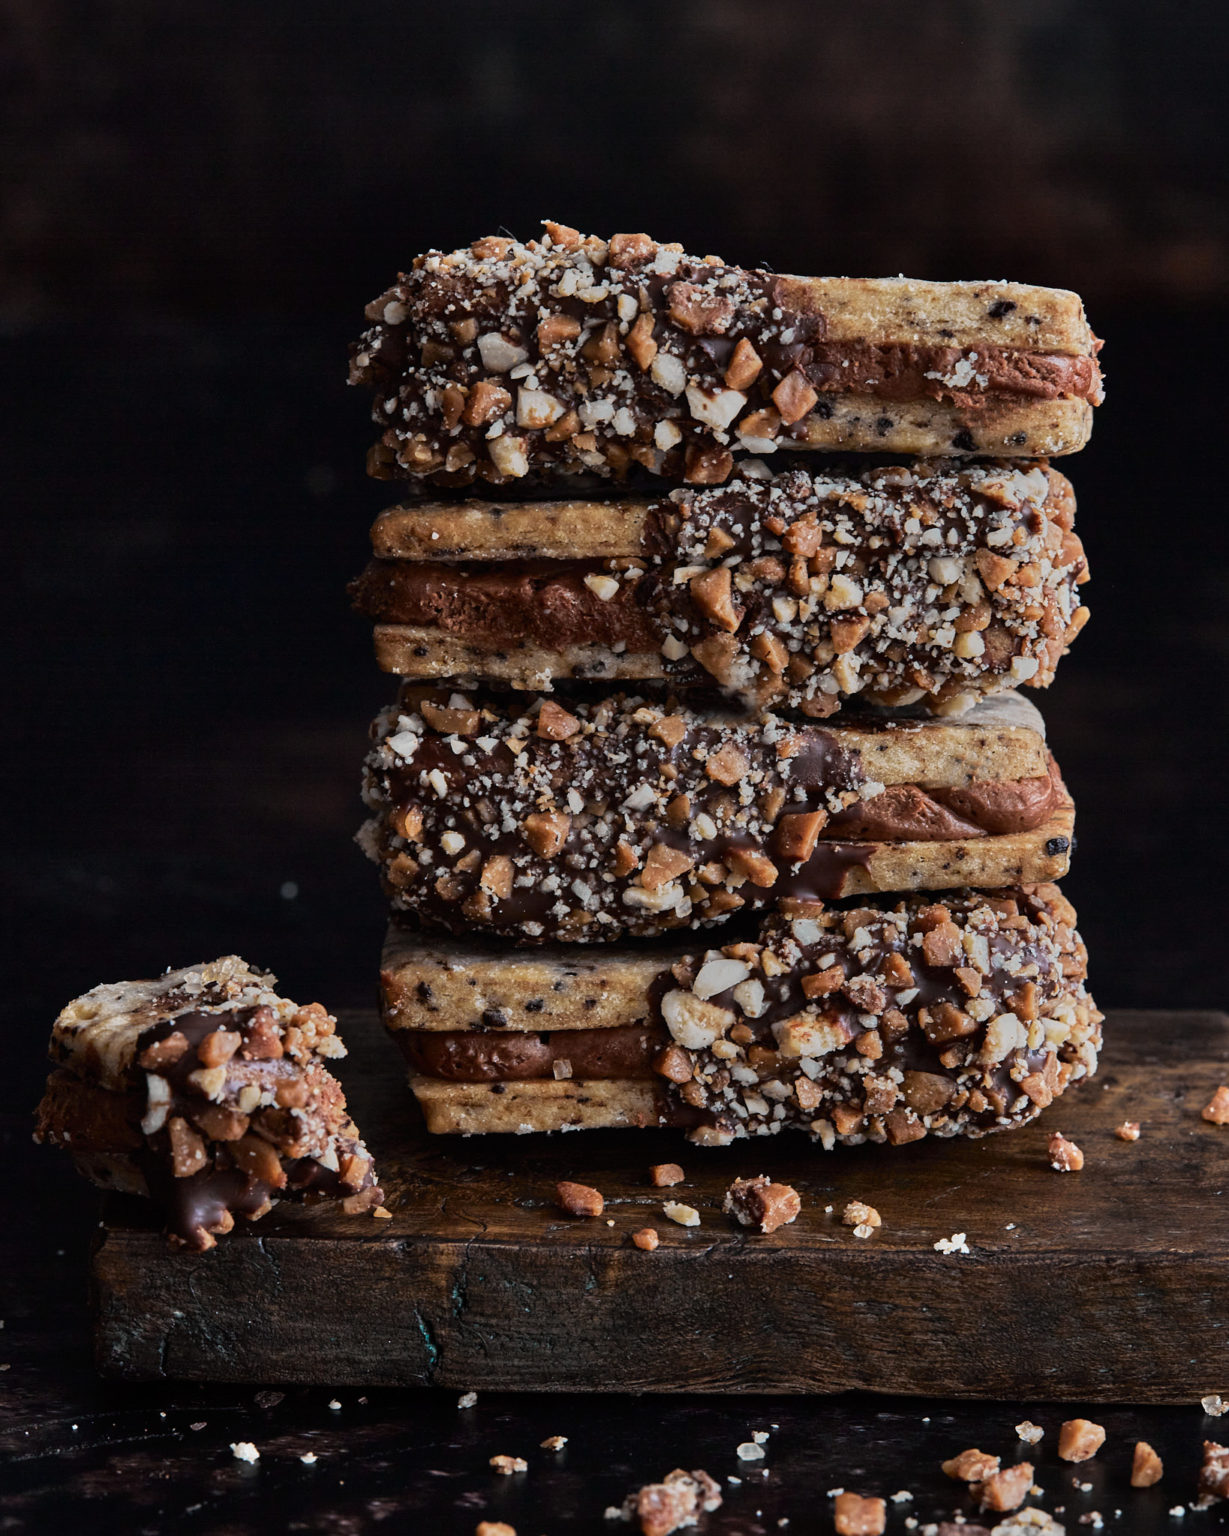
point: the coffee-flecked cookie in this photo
(522, 817)
(938, 582)
(208, 1093)
(572, 355)
(884, 1020)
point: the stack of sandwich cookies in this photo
(606, 749)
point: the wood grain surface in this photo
(1110, 1285)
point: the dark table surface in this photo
(192, 697)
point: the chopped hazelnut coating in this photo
(852, 1515)
(208, 1092)
(1064, 1155)
(1147, 1467)
(1080, 1439)
(569, 354)
(1216, 1112)
(579, 1199)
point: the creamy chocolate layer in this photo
(467, 1056)
(623, 817)
(931, 581)
(578, 356)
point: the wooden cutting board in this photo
(1110, 1285)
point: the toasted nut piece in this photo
(187, 1148)
(222, 1124)
(945, 1022)
(683, 1215)
(625, 859)
(771, 651)
(640, 341)
(546, 832)
(971, 1466)
(853, 1515)
(670, 730)
(1127, 1131)
(794, 397)
(496, 876)
(744, 366)
(630, 250)
(646, 1238)
(407, 822)
(556, 724)
(217, 1048)
(712, 594)
(264, 1040)
(798, 833)
(821, 983)
(673, 1063)
(256, 1157)
(707, 466)
(663, 1175)
(699, 311)
(579, 1199)
(449, 722)
(727, 765)
(1066, 1157)
(507, 1465)
(927, 1092)
(1079, 1440)
(761, 424)
(943, 945)
(555, 329)
(760, 1203)
(663, 864)
(1005, 1490)
(1147, 1467)
(848, 634)
(993, 569)
(494, 1528)
(754, 864)
(1216, 1111)
(486, 401)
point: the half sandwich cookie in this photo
(934, 581)
(570, 355)
(208, 1093)
(519, 817)
(882, 1021)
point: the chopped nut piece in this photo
(546, 832)
(507, 1465)
(450, 722)
(1029, 1432)
(853, 1515)
(1214, 1472)
(755, 865)
(187, 1149)
(1146, 1466)
(1216, 1111)
(579, 1199)
(556, 724)
(554, 1442)
(1127, 1131)
(684, 1215)
(712, 593)
(668, 1506)
(1214, 1405)
(496, 876)
(727, 765)
(798, 833)
(758, 1202)
(163, 1053)
(858, 1214)
(663, 1175)
(1079, 1440)
(971, 1466)
(1065, 1157)
(646, 1238)
(794, 397)
(744, 367)
(1005, 1490)
(484, 403)
(494, 1528)
(663, 864)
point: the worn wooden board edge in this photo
(724, 1312)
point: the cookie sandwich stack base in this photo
(708, 797)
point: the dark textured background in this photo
(198, 198)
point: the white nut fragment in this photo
(749, 1451)
(843, 592)
(692, 1022)
(394, 312)
(668, 371)
(452, 842)
(969, 645)
(805, 1035)
(535, 408)
(244, 1450)
(404, 744)
(210, 1081)
(673, 649)
(1003, 1035)
(666, 435)
(604, 587)
(158, 1098)
(1023, 667)
(945, 569)
(685, 1215)
(508, 456)
(749, 995)
(438, 782)
(498, 355)
(719, 976)
(715, 408)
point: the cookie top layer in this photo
(571, 355)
